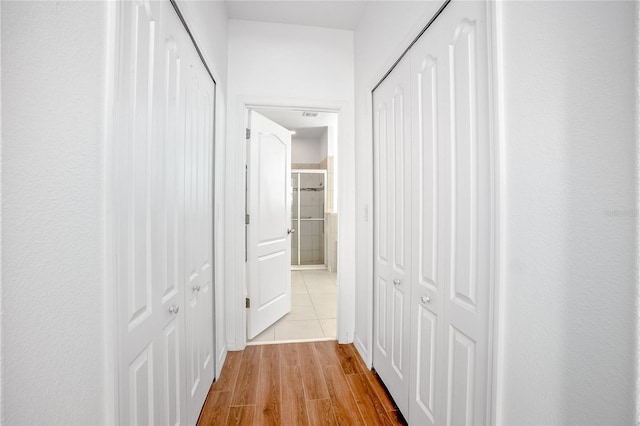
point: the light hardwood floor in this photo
(314, 383)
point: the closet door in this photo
(392, 248)
(468, 247)
(148, 201)
(429, 110)
(161, 163)
(198, 278)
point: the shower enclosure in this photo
(307, 218)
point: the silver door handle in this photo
(290, 231)
(174, 309)
(396, 282)
(196, 287)
(425, 299)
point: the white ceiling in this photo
(344, 14)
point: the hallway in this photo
(313, 309)
(315, 383)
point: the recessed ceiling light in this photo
(293, 132)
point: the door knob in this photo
(425, 299)
(290, 231)
(396, 282)
(196, 287)
(174, 309)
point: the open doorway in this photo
(313, 225)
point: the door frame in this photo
(497, 305)
(345, 300)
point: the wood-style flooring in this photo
(315, 383)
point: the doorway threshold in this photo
(278, 342)
(308, 267)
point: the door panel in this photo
(428, 101)
(269, 245)
(469, 206)
(392, 147)
(199, 241)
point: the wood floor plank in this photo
(327, 352)
(270, 351)
(216, 409)
(244, 392)
(312, 377)
(349, 359)
(251, 352)
(241, 415)
(359, 361)
(229, 373)
(289, 354)
(321, 413)
(370, 406)
(294, 407)
(344, 405)
(268, 405)
(396, 418)
(380, 391)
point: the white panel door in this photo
(162, 197)
(392, 147)
(428, 297)
(149, 216)
(469, 248)
(269, 208)
(198, 234)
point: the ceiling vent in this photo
(309, 114)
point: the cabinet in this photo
(433, 223)
(161, 171)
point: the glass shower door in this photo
(308, 217)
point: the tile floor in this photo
(313, 309)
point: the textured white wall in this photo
(53, 108)
(287, 64)
(385, 31)
(570, 266)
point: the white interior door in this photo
(149, 217)
(268, 232)
(162, 167)
(468, 207)
(392, 245)
(198, 234)
(428, 295)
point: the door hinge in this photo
(247, 302)
(248, 134)
(247, 219)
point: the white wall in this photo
(570, 255)
(385, 31)
(288, 65)
(53, 109)
(307, 150)
(208, 24)
(56, 349)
